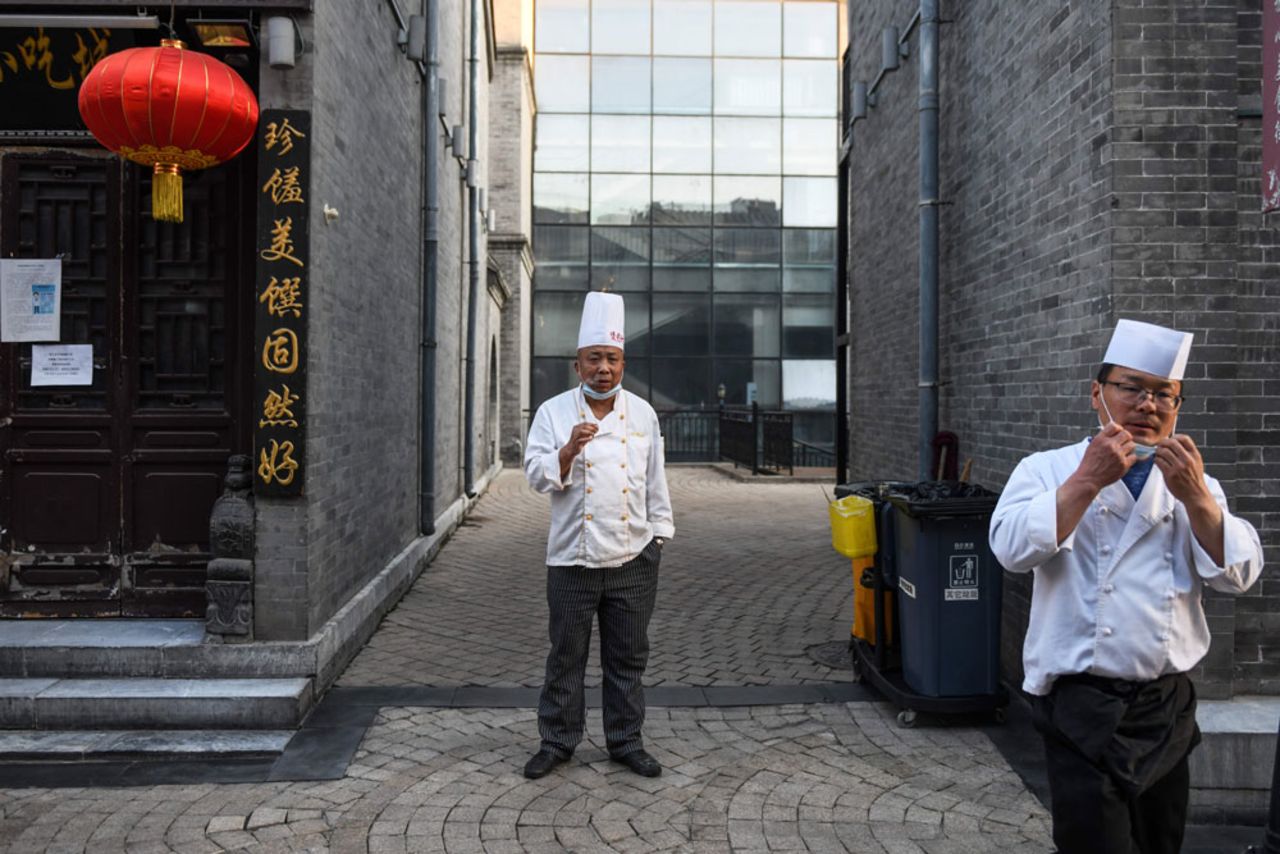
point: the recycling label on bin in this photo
(962, 583)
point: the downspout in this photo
(473, 255)
(430, 252)
(928, 379)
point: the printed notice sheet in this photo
(30, 299)
(61, 364)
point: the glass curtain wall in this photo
(685, 157)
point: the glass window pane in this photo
(559, 198)
(739, 376)
(619, 143)
(560, 244)
(561, 143)
(555, 324)
(681, 382)
(748, 87)
(809, 384)
(809, 146)
(755, 247)
(808, 29)
(681, 325)
(808, 247)
(747, 201)
(746, 325)
(563, 84)
(686, 247)
(747, 146)
(620, 84)
(744, 279)
(748, 28)
(635, 375)
(808, 324)
(550, 377)
(682, 279)
(619, 199)
(681, 144)
(620, 259)
(620, 26)
(636, 328)
(809, 202)
(808, 257)
(562, 27)
(809, 87)
(681, 200)
(682, 27)
(561, 277)
(682, 86)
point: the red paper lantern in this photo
(171, 109)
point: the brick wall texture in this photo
(361, 506)
(1099, 160)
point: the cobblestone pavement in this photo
(774, 778)
(747, 585)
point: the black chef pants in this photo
(622, 600)
(1117, 753)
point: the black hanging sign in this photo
(280, 387)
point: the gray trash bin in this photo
(949, 587)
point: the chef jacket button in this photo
(624, 518)
(1106, 631)
(1107, 588)
(624, 490)
(622, 418)
(624, 441)
(624, 465)
(1169, 594)
(582, 415)
(1106, 550)
(1102, 511)
(588, 465)
(588, 489)
(1168, 555)
(588, 517)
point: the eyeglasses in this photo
(1136, 395)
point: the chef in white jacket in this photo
(1123, 531)
(596, 450)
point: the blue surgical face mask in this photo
(600, 395)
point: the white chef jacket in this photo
(614, 499)
(1120, 597)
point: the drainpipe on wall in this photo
(473, 255)
(928, 380)
(430, 251)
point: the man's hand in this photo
(1180, 462)
(578, 439)
(1106, 460)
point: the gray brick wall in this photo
(365, 310)
(1093, 167)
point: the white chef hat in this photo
(603, 321)
(1149, 348)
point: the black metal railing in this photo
(689, 435)
(805, 455)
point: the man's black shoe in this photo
(640, 762)
(541, 763)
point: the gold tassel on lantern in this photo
(166, 193)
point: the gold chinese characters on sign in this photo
(35, 55)
(281, 310)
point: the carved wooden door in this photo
(105, 490)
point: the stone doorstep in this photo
(81, 745)
(1239, 743)
(123, 704)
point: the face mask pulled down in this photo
(1140, 451)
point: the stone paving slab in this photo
(826, 777)
(749, 583)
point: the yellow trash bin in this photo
(853, 526)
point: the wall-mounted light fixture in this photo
(889, 49)
(281, 41)
(858, 101)
(415, 46)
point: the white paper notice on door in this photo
(30, 299)
(61, 364)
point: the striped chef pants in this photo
(622, 598)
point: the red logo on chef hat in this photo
(614, 335)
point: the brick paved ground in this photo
(816, 778)
(747, 585)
